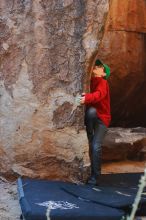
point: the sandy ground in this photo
(9, 205)
(124, 167)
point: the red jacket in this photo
(99, 97)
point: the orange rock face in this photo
(127, 16)
(123, 47)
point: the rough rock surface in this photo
(45, 50)
(125, 144)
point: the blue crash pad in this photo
(112, 199)
(37, 195)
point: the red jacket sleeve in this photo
(99, 94)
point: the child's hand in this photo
(82, 100)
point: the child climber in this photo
(97, 116)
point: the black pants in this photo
(96, 131)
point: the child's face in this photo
(98, 71)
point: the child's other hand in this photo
(82, 100)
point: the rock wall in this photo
(123, 47)
(47, 50)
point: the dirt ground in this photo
(9, 205)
